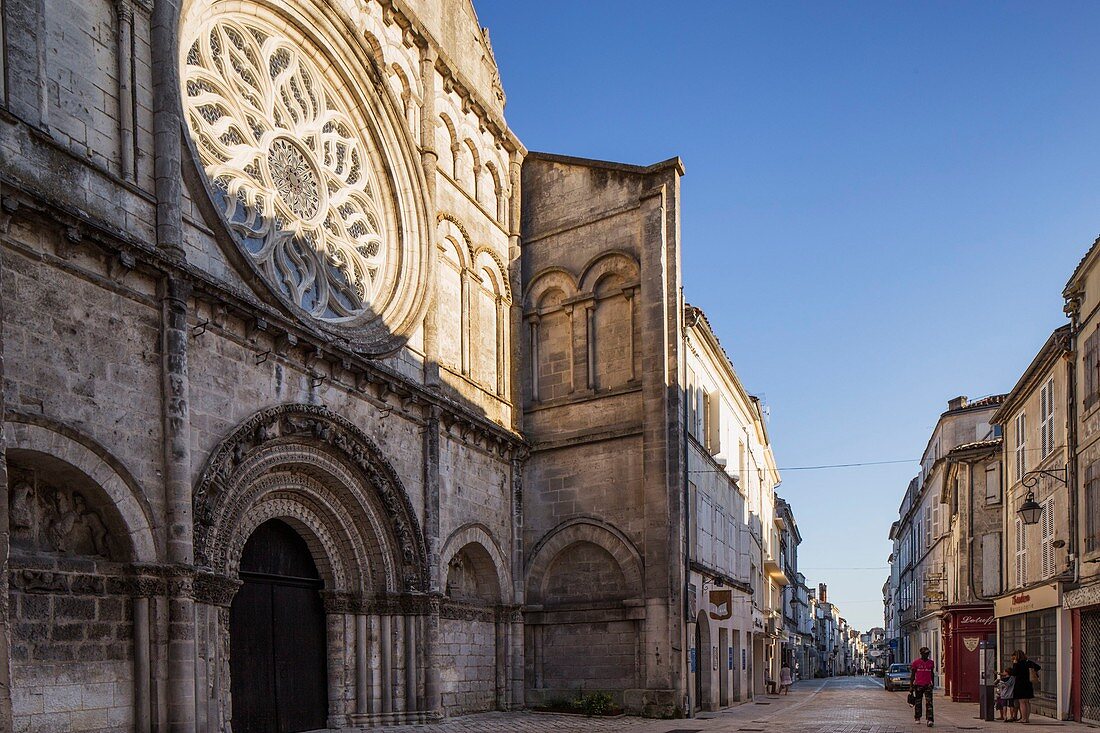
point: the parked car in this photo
(897, 677)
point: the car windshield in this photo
(899, 667)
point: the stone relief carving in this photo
(54, 519)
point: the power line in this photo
(877, 567)
(811, 468)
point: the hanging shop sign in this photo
(721, 604)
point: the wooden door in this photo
(277, 636)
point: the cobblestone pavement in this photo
(840, 705)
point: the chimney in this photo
(822, 593)
(958, 403)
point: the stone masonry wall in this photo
(469, 672)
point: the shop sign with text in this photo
(1032, 599)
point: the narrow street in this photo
(835, 705)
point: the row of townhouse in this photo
(750, 611)
(998, 537)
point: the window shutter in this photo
(1021, 554)
(1021, 446)
(1092, 482)
(1086, 368)
(1048, 537)
(992, 484)
(991, 564)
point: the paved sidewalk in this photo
(838, 705)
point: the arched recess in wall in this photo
(489, 321)
(473, 617)
(584, 560)
(471, 157)
(477, 571)
(447, 146)
(611, 281)
(549, 314)
(492, 194)
(80, 532)
(585, 590)
(453, 292)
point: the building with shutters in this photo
(1081, 600)
(1036, 558)
(930, 594)
(731, 479)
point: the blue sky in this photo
(882, 204)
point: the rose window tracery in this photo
(289, 167)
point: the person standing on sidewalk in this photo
(1024, 689)
(785, 680)
(921, 683)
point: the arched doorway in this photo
(704, 663)
(277, 636)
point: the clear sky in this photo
(883, 202)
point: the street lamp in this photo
(1031, 510)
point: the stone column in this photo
(590, 343)
(465, 321)
(429, 161)
(143, 716)
(177, 491)
(5, 531)
(534, 321)
(124, 54)
(515, 636)
(167, 126)
(386, 649)
(362, 666)
(515, 322)
(502, 344)
(433, 696)
(501, 654)
(411, 685)
(629, 295)
(337, 653)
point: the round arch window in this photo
(313, 177)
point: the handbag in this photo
(911, 698)
(1033, 675)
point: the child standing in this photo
(1002, 691)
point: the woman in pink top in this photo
(921, 682)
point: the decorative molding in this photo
(314, 424)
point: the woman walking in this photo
(1023, 689)
(785, 680)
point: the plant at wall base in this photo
(594, 703)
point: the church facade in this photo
(325, 403)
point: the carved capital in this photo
(215, 590)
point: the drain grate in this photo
(685, 730)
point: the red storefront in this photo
(963, 628)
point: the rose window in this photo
(290, 168)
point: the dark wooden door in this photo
(277, 636)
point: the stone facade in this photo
(603, 488)
(277, 341)
(179, 370)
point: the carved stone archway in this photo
(318, 473)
